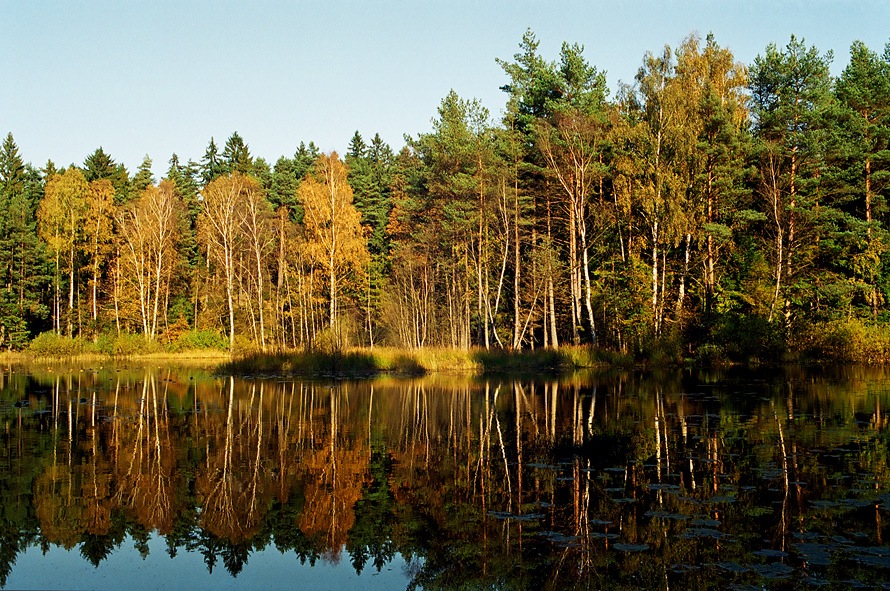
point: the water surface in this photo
(166, 477)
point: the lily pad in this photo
(773, 570)
(770, 553)
(630, 547)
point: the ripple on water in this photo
(514, 516)
(773, 570)
(770, 553)
(703, 532)
(815, 554)
(666, 515)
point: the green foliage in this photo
(847, 341)
(125, 345)
(684, 221)
(309, 363)
(198, 340)
(51, 344)
(744, 339)
(236, 156)
(211, 166)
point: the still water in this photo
(159, 477)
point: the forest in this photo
(709, 209)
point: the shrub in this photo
(125, 344)
(849, 340)
(198, 340)
(748, 338)
(710, 355)
(50, 344)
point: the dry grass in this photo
(364, 362)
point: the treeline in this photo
(709, 206)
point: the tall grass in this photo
(850, 340)
(52, 345)
(385, 360)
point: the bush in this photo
(710, 355)
(198, 340)
(849, 340)
(125, 344)
(50, 344)
(747, 339)
(662, 350)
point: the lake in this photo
(158, 477)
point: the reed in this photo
(188, 345)
(387, 360)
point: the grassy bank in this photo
(195, 345)
(384, 360)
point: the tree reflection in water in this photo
(686, 479)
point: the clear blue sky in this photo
(160, 77)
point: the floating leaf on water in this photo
(733, 567)
(625, 500)
(875, 550)
(815, 554)
(770, 553)
(706, 522)
(857, 503)
(602, 536)
(666, 515)
(841, 540)
(630, 547)
(663, 487)
(805, 535)
(824, 504)
(514, 516)
(872, 560)
(702, 532)
(773, 570)
(598, 522)
(616, 469)
(558, 537)
(722, 500)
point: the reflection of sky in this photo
(125, 568)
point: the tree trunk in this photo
(71, 291)
(516, 267)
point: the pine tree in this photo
(100, 165)
(790, 95)
(143, 177)
(858, 174)
(211, 165)
(235, 156)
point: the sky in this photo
(154, 78)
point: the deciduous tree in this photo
(333, 229)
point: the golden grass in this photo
(198, 357)
(366, 362)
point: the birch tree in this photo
(60, 218)
(333, 230)
(149, 228)
(98, 226)
(220, 230)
